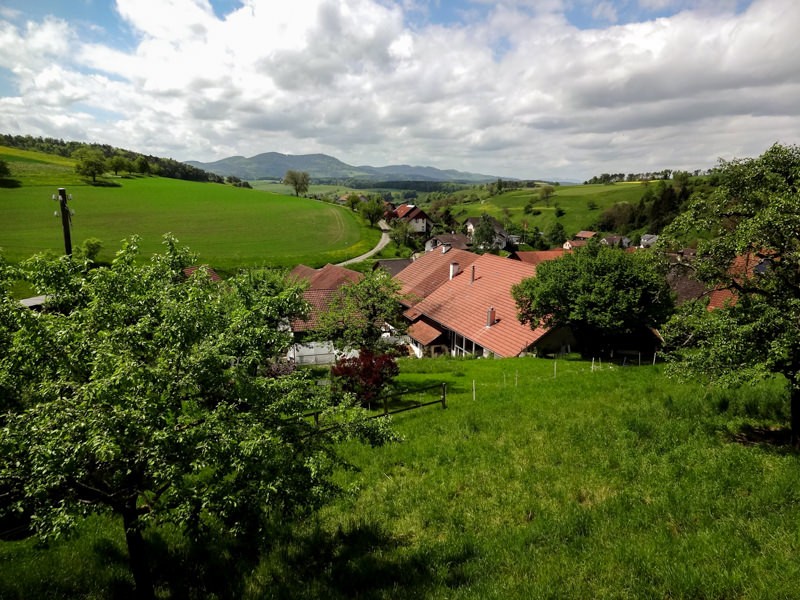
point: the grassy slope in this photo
(574, 200)
(616, 483)
(228, 227)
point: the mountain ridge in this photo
(273, 165)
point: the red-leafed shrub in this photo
(367, 375)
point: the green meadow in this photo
(227, 227)
(582, 205)
(540, 479)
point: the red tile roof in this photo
(430, 271)
(534, 257)
(423, 332)
(323, 285)
(461, 305)
(585, 235)
(189, 271)
(327, 278)
(318, 301)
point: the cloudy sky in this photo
(514, 88)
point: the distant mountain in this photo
(273, 165)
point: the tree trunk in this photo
(137, 553)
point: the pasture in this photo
(549, 480)
(582, 205)
(227, 227)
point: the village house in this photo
(501, 236)
(453, 240)
(416, 218)
(472, 311)
(323, 285)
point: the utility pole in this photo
(66, 219)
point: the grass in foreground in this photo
(617, 483)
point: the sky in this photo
(556, 89)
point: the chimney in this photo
(453, 269)
(491, 316)
(445, 248)
(472, 275)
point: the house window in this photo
(462, 346)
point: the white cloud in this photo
(518, 92)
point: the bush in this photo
(367, 375)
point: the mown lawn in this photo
(555, 481)
(228, 227)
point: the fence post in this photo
(444, 394)
(316, 419)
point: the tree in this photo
(602, 294)
(401, 233)
(748, 248)
(372, 211)
(118, 163)
(555, 234)
(90, 162)
(546, 192)
(151, 395)
(142, 166)
(484, 234)
(299, 180)
(5, 171)
(366, 376)
(356, 317)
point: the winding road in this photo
(380, 245)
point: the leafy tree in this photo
(555, 234)
(546, 192)
(355, 318)
(142, 166)
(5, 171)
(90, 162)
(602, 294)
(299, 180)
(401, 233)
(118, 163)
(372, 211)
(150, 395)
(750, 247)
(484, 234)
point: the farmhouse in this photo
(473, 313)
(453, 240)
(416, 218)
(323, 285)
(534, 257)
(501, 236)
(429, 272)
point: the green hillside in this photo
(554, 480)
(228, 227)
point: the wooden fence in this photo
(386, 401)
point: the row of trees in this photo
(96, 159)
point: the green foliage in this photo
(149, 395)
(89, 162)
(298, 180)
(357, 315)
(5, 170)
(372, 211)
(601, 293)
(484, 234)
(750, 247)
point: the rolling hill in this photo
(273, 165)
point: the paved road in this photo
(380, 246)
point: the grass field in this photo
(228, 227)
(555, 481)
(573, 199)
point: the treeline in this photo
(664, 174)
(661, 202)
(418, 186)
(141, 163)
